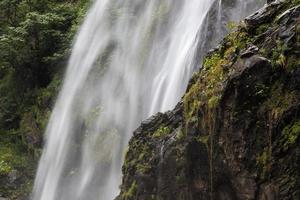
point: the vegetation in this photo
(140, 163)
(35, 40)
(131, 192)
(290, 135)
(239, 121)
(161, 132)
(208, 89)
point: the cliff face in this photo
(235, 134)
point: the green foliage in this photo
(35, 40)
(281, 61)
(207, 89)
(161, 132)
(238, 39)
(192, 102)
(281, 98)
(278, 55)
(5, 168)
(142, 165)
(292, 62)
(138, 157)
(212, 61)
(130, 193)
(11, 158)
(14, 159)
(203, 139)
(261, 29)
(213, 101)
(231, 26)
(290, 135)
(263, 162)
(34, 43)
(179, 134)
(295, 2)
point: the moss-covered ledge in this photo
(235, 134)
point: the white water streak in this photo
(131, 58)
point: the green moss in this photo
(232, 25)
(212, 61)
(262, 28)
(179, 134)
(203, 139)
(238, 39)
(292, 62)
(296, 2)
(263, 161)
(281, 55)
(142, 163)
(281, 61)
(131, 192)
(191, 101)
(14, 158)
(22, 192)
(143, 168)
(5, 168)
(138, 157)
(280, 98)
(278, 58)
(290, 135)
(162, 132)
(140, 154)
(213, 101)
(11, 159)
(207, 89)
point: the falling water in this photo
(131, 58)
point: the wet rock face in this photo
(235, 134)
(216, 23)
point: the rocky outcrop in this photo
(235, 134)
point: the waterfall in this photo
(131, 59)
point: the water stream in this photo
(131, 59)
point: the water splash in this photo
(131, 58)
